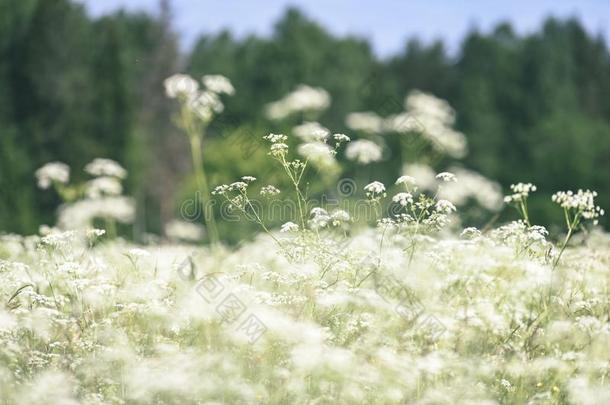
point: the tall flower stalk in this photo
(197, 109)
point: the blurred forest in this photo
(534, 108)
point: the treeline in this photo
(534, 108)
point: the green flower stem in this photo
(202, 185)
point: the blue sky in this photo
(386, 23)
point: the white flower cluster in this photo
(363, 151)
(107, 182)
(53, 172)
(367, 122)
(102, 195)
(318, 317)
(417, 213)
(403, 199)
(520, 192)
(181, 86)
(269, 191)
(319, 153)
(103, 186)
(320, 218)
(303, 99)
(278, 147)
(433, 118)
(446, 177)
(581, 202)
(445, 207)
(406, 180)
(218, 84)
(375, 190)
(105, 167)
(315, 148)
(472, 186)
(528, 240)
(178, 230)
(289, 227)
(205, 102)
(424, 174)
(80, 214)
(311, 131)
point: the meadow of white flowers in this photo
(410, 308)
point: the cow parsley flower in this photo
(218, 84)
(423, 174)
(406, 180)
(445, 207)
(205, 105)
(238, 185)
(53, 172)
(103, 186)
(470, 233)
(180, 85)
(278, 147)
(318, 153)
(340, 139)
(320, 218)
(182, 230)
(520, 192)
(105, 167)
(303, 99)
(367, 122)
(363, 151)
(80, 214)
(375, 190)
(446, 177)
(581, 203)
(339, 217)
(289, 227)
(474, 186)
(403, 199)
(268, 191)
(138, 252)
(311, 132)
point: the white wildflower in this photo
(268, 191)
(103, 186)
(520, 192)
(406, 180)
(581, 202)
(303, 99)
(80, 214)
(318, 153)
(205, 105)
(363, 151)
(445, 207)
(182, 230)
(53, 172)
(374, 190)
(446, 177)
(403, 199)
(138, 252)
(105, 167)
(289, 227)
(311, 132)
(339, 217)
(340, 138)
(218, 84)
(472, 186)
(180, 85)
(368, 122)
